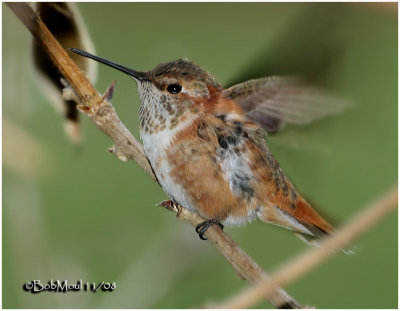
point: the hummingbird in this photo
(206, 144)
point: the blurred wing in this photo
(273, 101)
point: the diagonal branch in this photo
(308, 260)
(100, 111)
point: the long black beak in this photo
(141, 76)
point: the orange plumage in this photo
(207, 149)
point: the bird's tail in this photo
(306, 223)
(314, 240)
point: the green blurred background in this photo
(83, 214)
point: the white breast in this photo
(155, 146)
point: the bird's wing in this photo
(273, 101)
(285, 207)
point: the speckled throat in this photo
(157, 111)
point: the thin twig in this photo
(103, 114)
(308, 260)
(99, 109)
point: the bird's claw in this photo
(203, 227)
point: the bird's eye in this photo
(174, 88)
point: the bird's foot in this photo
(203, 227)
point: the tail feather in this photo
(314, 241)
(306, 223)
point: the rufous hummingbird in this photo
(207, 149)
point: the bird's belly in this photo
(155, 147)
(190, 172)
(175, 190)
(203, 176)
